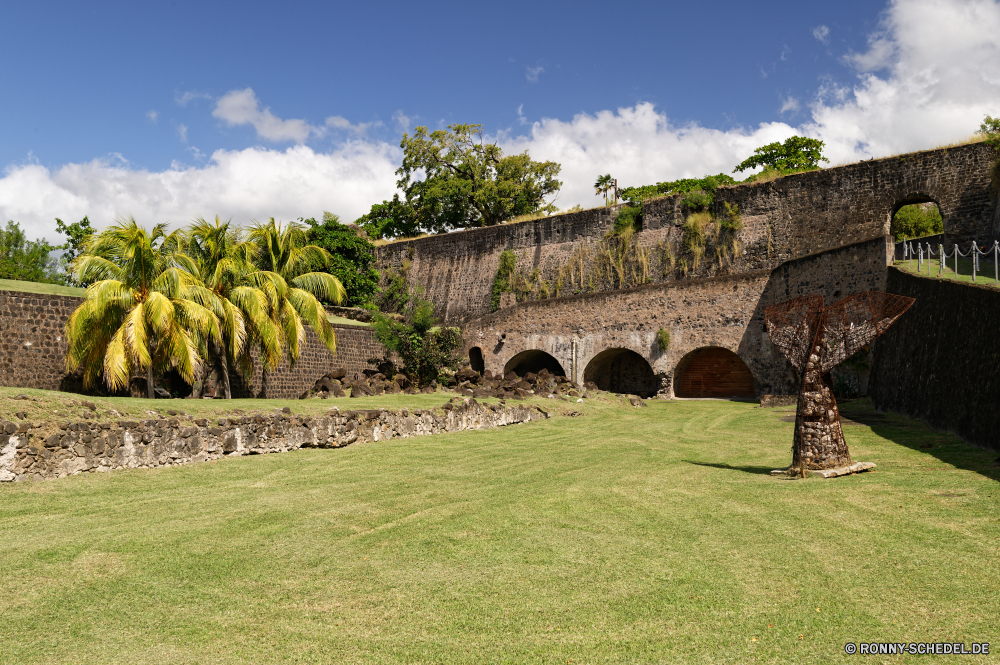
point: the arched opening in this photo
(915, 216)
(533, 361)
(476, 359)
(622, 371)
(713, 372)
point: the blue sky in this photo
(286, 109)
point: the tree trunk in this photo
(819, 438)
(221, 361)
(149, 382)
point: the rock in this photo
(21, 415)
(88, 405)
(402, 380)
(427, 390)
(467, 374)
(304, 395)
(339, 393)
(510, 377)
(337, 373)
(636, 401)
(286, 409)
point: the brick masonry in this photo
(33, 350)
(726, 312)
(939, 361)
(785, 219)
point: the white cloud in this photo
(184, 98)
(785, 52)
(152, 115)
(252, 183)
(241, 107)
(182, 133)
(928, 77)
(789, 105)
(532, 73)
(822, 33)
(337, 122)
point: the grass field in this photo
(620, 536)
(984, 277)
(38, 287)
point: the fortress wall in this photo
(784, 219)
(939, 361)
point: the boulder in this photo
(337, 373)
(402, 380)
(510, 377)
(467, 374)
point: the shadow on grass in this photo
(759, 470)
(916, 435)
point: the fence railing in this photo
(924, 251)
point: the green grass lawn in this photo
(38, 287)
(984, 277)
(623, 536)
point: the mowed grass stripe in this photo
(624, 535)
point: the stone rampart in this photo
(33, 350)
(28, 453)
(939, 361)
(784, 219)
(725, 312)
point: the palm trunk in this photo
(221, 362)
(149, 382)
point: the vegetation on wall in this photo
(423, 347)
(916, 220)
(700, 192)
(662, 339)
(629, 217)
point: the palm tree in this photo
(225, 263)
(286, 276)
(145, 311)
(603, 185)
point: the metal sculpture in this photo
(815, 340)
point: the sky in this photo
(175, 110)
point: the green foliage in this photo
(505, 280)
(990, 128)
(731, 220)
(797, 153)
(390, 219)
(694, 232)
(662, 339)
(916, 220)
(26, 260)
(452, 179)
(352, 257)
(629, 217)
(701, 186)
(422, 346)
(77, 235)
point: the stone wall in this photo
(785, 219)
(33, 339)
(30, 453)
(723, 312)
(355, 346)
(939, 361)
(33, 350)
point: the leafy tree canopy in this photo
(917, 220)
(453, 179)
(27, 260)
(352, 257)
(797, 153)
(991, 130)
(77, 235)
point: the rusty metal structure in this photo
(815, 340)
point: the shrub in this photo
(662, 339)
(423, 347)
(694, 236)
(505, 280)
(629, 217)
(916, 220)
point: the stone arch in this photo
(533, 360)
(622, 371)
(713, 371)
(911, 199)
(476, 361)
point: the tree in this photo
(26, 260)
(453, 179)
(285, 263)
(225, 264)
(603, 185)
(78, 234)
(797, 153)
(390, 219)
(423, 347)
(145, 310)
(991, 130)
(353, 257)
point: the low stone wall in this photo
(939, 361)
(31, 453)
